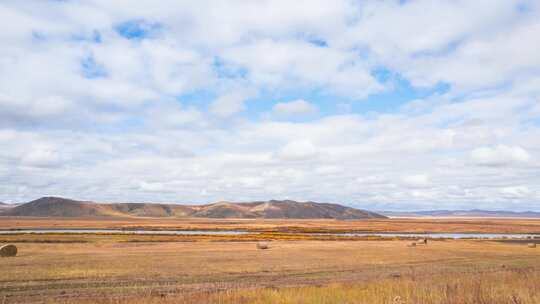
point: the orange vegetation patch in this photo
(412, 225)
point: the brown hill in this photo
(61, 207)
(58, 207)
(4, 206)
(283, 209)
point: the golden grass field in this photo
(413, 225)
(113, 268)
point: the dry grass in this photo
(510, 287)
(496, 287)
(448, 225)
(503, 287)
(111, 270)
(116, 268)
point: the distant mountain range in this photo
(273, 209)
(6, 206)
(62, 207)
(462, 213)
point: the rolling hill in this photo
(62, 207)
(4, 206)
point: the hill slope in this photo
(4, 206)
(282, 209)
(57, 207)
(61, 207)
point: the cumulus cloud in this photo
(500, 155)
(516, 192)
(292, 63)
(193, 102)
(298, 150)
(295, 107)
(417, 181)
(41, 157)
(230, 103)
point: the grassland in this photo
(412, 225)
(501, 287)
(116, 268)
(120, 269)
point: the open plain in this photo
(116, 268)
(401, 225)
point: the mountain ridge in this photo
(272, 209)
(6, 205)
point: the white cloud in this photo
(290, 65)
(462, 43)
(295, 107)
(328, 170)
(41, 157)
(298, 150)
(515, 192)
(500, 155)
(167, 106)
(230, 103)
(152, 187)
(417, 181)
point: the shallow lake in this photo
(237, 232)
(164, 232)
(443, 235)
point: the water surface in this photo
(119, 231)
(238, 232)
(444, 235)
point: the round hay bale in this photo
(412, 244)
(261, 245)
(531, 245)
(8, 251)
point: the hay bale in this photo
(531, 245)
(261, 245)
(422, 241)
(395, 275)
(8, 251)
(398, 300)
(412, 244)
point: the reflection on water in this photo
(445, 235)
(165, 232)
(237, 232)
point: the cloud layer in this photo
(312, 100)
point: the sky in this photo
(383, 105)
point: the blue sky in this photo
(313, 100)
